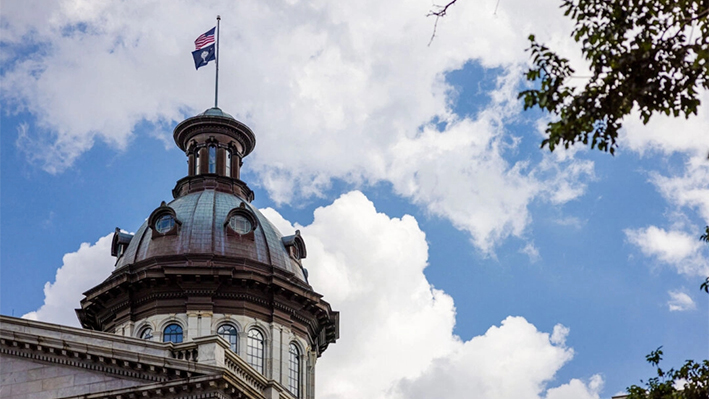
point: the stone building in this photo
(207, 299)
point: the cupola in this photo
(209, 263)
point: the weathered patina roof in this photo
(202, 218)
(215, 111)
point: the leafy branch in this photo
(635, 65)
(691, 381)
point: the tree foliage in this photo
(652, 55)
(691, 381)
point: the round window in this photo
(240, 224)
(164, 224)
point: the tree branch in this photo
(441, 12)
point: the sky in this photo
(465, 260)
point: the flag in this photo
(203, 56)
(204, 39)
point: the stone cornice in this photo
(168, 282)
(212, 370)
(108, 353)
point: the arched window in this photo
(146, 334)
(227, 164)
(172, 333)
(294, 370)
(254, 349)
(212, 159)
(228, 332)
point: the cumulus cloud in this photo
(80, 270)
(680, 301)
(510, 361)
(397, 329)
(333, 91)
(675, 248)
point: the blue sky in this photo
(413, 172)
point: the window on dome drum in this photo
(146, 334)
(227, 164)
(228, 332)
(172, 333)
(197, 163)
(293, 369)
(212, 159)
(240, 224)
(254, 350)
(164, 224)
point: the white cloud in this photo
(577, 389)
(531, 251)
(559, 334)
(571, 221)
(689, 190)
(686, 191)
(333, 91)
(675, 248)
(680, 301)
(397, 330)
(80, 270)
(668, 135)
(511, 361)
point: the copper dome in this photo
(203, 231)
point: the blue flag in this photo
(203, 56)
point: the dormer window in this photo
(163, 221)
(120, 243)
(240, 221)
(295, 246)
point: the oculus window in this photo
(164, 223)
(240, 224)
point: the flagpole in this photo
(218, 55)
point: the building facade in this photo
(207, 299)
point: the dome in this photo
(209, 255)
(215, 111)
(202, 228)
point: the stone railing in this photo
(187, 351)
(244, 372)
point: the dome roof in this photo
(215, 111)
(201, 220)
